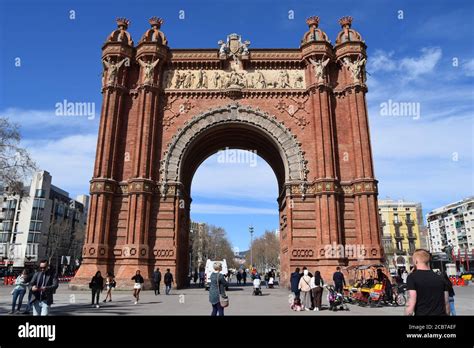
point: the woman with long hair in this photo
(109, 285)
(138, 285)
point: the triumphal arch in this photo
(166, 110)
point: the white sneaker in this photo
(306, 309)
(316, 309)
(97, 306)
(136, 302)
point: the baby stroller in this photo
(335, 299)
(257, 290)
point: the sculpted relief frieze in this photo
(233, 78)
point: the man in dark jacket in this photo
(43, 285)
(339, 280)
(157, 281)
(168, 279)
(295, 281)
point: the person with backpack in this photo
(305, 290)
(157, 281)
(168, 280)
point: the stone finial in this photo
(312, 21)
(345, 21)
(122, 23)
(156, 22)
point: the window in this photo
(395, 218)
(4, 237)
(408, 217)
(33, 237)
(40, 193)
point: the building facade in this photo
(166, 110)
(452, 226)
(401, 223)
(41, 221)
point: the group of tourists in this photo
(429, 293)
(40, 285)
(97, 285)
(307, 289)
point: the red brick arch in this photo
(166, 110)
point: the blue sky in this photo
(426, 58)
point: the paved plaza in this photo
(194, 301)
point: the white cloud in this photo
(70, 160)
(415, 66)
(468, 67)
(408, 67)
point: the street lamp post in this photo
(251, 246)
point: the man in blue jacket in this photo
(295, 281)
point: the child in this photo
(297, 306)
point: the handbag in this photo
(224, 300)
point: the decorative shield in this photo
(234, 43)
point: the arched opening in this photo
(232, 127)
(222, 142)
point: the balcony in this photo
(409, 222)
(397, 223)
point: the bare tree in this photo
(266, 251)
(212, 243)
(15, 162)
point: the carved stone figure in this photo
(245, 48)
(284, 79)
(188, 80)
(148, 70)
(112, 70)
(217, 79)
(250, 81)
(319, 67)
(299, 81)
(169, 78)
(202, 79)
(261, 83)
(179, 80)
(222, 48)
(356, 68)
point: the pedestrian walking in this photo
(217, 290)
(305, 290)
(201, 278)
(43, 285)
(137, 287)
(244, 277)
(295, 282)
(339, 281)
(196, 276)
(157, 281)
(239, 278)
(451, 294)
(30, 294)
(96, 285)
(168, 279)
(428, 293)
(316, 285)
(19, 291)
(110, 284)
